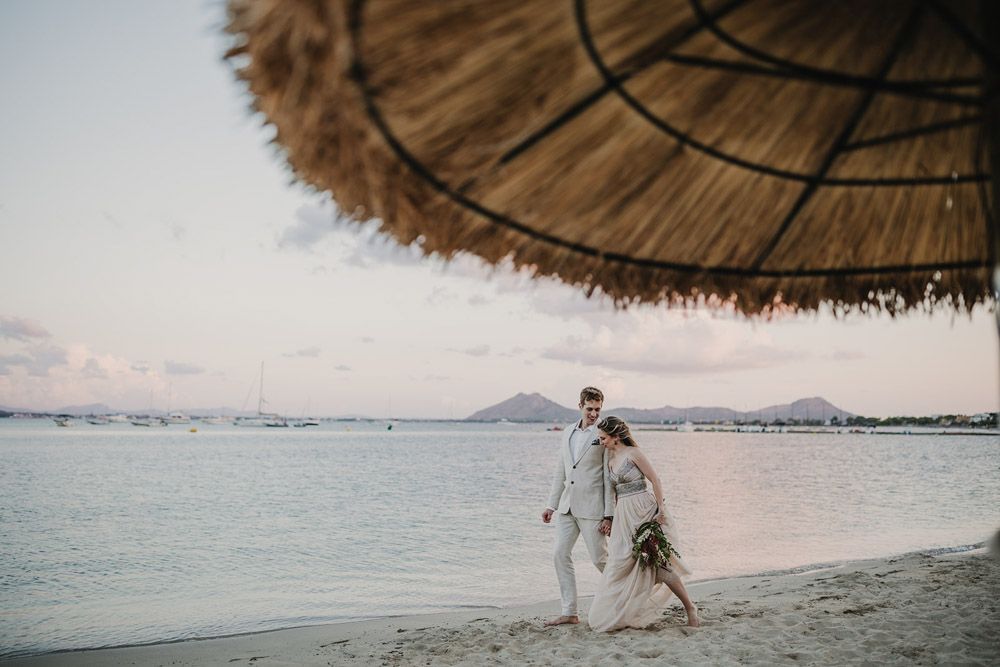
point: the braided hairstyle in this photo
(617, 428)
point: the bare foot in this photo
(693, 617)
(563, 619)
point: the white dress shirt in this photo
(580, 439)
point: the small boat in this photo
(216, 420)
(64, 422)
(118, 419)
(177, 418)
(151, 421)
(262, 421)
(97, 420)
(172, 416)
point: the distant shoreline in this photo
(772, 427)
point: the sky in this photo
(155, 251)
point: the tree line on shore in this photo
(984, 420)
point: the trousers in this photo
(568, 529)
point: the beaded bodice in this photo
(628, 479)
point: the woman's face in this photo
(606, 440)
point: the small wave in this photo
(943, 550)
(458, 607)
(817, 567)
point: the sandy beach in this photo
(915, 610)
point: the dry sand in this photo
(917, 610)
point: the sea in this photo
(114, 535)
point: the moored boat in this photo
(150, 421)
(177, 418)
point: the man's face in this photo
(591, 411)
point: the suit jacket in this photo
(582, 486)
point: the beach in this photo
(913, 610)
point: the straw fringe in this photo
(299, 63)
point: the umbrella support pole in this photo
(991, 31)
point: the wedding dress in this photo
(627, 595)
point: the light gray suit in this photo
(581, 497)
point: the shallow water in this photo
(115, 535)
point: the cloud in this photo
(360, 245)
(367, 339)
(314, 222)
(668, 342)
(44, 358)
(478, 351)
(439, 295)
(16, 328)
(479, 300)
(307, 352)
(560, 300)
(92, 370)
(9, 360)
(847, 355)
(342, 367)
(46, 377)
(180, 368)
(367, 248)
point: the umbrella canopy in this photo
(760, 152)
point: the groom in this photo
(580, 499)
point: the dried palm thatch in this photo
(761, 152)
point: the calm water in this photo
(115, 535)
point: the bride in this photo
(627, 595)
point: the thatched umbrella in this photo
(754, 151)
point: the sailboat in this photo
(304, 421)
(686, 427)
(174, 417)
(263, 418)
(149, 420)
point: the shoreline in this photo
(935, 607)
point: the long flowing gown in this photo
(629, 596)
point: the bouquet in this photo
(650, 547)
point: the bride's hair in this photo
(617, 428)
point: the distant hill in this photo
(537, 408)
(804, 408)
(102, 409)
(526, 408)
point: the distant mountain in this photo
(526, 408)
(219, 412)
(802, 409)
(102, 409)
(537, 408)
